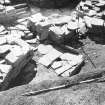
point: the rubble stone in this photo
(37, 17)
(31, 41)
(44, 49)
(2, 28)
(72, 25)
(92, 13)
(60, 34)
(5, 48)
(20, 53)
(9, 8)
(1, 8)
(56, 64)
(5, 68)
(17, 33)
(64, 68)
(82, 27)
(69, 67)
(88, 21)
(6, 1)
(50, 57)
(71, 57)
(2, 40)
(14, 56)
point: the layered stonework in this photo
(15, 55)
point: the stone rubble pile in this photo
(56, 28)
(64, 64)
(92, 12)
(89, 17)
(14, 55)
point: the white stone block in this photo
(50, 57)
(17, 33)
(37, 17)
(45, 49)
(14, 56)
(5, 48)
(72, 62)
(57, 64)
(63, 69)
(88, 21)
(72, 25)
(5, 68)
(2, 28)
(2, 40)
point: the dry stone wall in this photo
(14, 54)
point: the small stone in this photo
(69, 72)
(88, 2)
(73, 59)
(82, 26)
(21, 27)
(64, 68)
(96, 9)
(85, 8)
(5, 68)
(2, 28)
(97, 22)
(65, 29)
(56, 34)
(28, 36)
(31, 41)
(2, 61)
(44, 49)
(56, 64)
(25, 46)
(6, 1)
(9, 8)
(81, 3)
(17, 33)
(100, 4)
(56, 30)
(4, 48)
(1, 8)
(37, 17)
(15, 55)
(88, 21)
(50, 57)
(92, 13)
(3, 40)
(72, 25)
